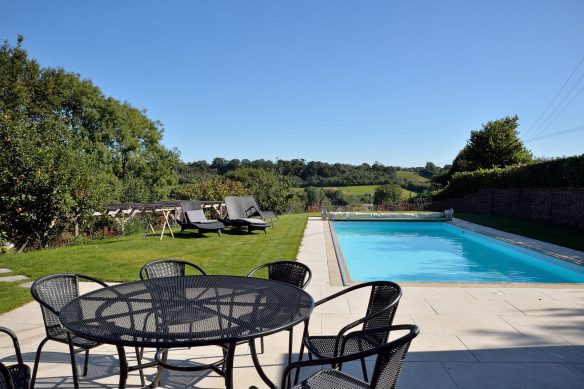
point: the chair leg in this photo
(73, 362)
(86, 362)
(299, 359)
(262, 345)
(290, 340)
(37, 359)
(364, 368)
(139, 361)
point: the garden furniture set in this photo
(176, 304)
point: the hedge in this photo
(557, 173)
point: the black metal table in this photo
(185, 312)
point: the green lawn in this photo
(412, 176)
(120, 259)
(560, 235)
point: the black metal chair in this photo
(172, 268)
(383, 302)
(16, 376)
(168, 268)
(53, 292)
(388, 364)
(290, 272)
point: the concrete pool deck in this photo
(472, 336)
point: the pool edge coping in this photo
(342, 276)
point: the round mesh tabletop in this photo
(186, 311)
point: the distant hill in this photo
(316, 173)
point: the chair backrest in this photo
(235, 207)
(250, 206)
(167, 268)
(186, 206)
(53, 292)
(385, 295)
(290, 272)
(390, 360)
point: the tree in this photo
(496, 144)
(270, 189)
(387, 194)
(66, 150)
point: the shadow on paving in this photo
(532, 366)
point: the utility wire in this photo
(555, 97)
(555, 134)
(559, 113)
(550, 119)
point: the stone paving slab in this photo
(13, 278)
(4, 270)
(479, 336)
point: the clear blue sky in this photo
(400, 82)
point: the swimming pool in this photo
(441, 252)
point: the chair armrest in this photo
(342, 292)
(260, 267)
(14, 342)
(413, 332)
(363, 333)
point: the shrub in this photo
(210, 188)
(270, 190)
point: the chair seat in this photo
(331, 379)
(58, 333)
(20, 375)
(324, 346)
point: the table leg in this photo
(123, 367)
(159, 372)
(229, 365)
(258, 367)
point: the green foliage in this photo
(212, 188)
(387, 194)
(562, 172)
(496, 144)
(66, 149)
(271, 190)
(298, 171)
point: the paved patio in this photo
(471, 337)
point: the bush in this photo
(387, 194)
(270, 190)
(209, 188)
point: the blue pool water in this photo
(440, 252)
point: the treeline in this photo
(304, 174)
(66, 150)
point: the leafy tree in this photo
(270, 189)
(66, 149)
(496, 144)
(387, 194)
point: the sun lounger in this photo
(237, 217)
(194, 218)
(252, 209)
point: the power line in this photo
(555, 134)
(559, 113)
(555, 97)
